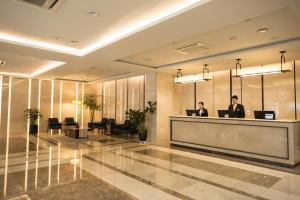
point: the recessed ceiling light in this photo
(2, 63)
(262, 30)
(94, 13)
(74, 41)
(233, 37)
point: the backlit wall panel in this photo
(121, 104)
(19, 102)
(109, 95)
(68, 99)
(45, 104)
(4, 105)
(252, 95)
(279, 94)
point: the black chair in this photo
(110, 126)
(123, 129)
(98, 125)
(69, 121)
(54, 124)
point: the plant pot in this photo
(143, 137)
(33, 129)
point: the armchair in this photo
(69, 121)
(53, 123)
(123, 129)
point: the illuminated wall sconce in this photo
(281, 67)
(204, 76)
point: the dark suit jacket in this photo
(239, 111)
(203, 114)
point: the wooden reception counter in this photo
(272, 141)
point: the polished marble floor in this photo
(103, 167)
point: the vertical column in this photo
(1, 83)
(7, 136)
(27, 135)
(82, 99)
(52, 99)
(76, 103)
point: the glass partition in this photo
(109, 89)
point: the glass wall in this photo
(45, 104)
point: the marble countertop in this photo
(235, 119)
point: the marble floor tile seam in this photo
(218, 185)
(239, 174)
(216, 178)
(125, 183)
(53, 160)
(18, 168)
(227, 162)
(153, 184)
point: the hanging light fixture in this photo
(276, 68)
(204, 76)
(238, 68)
(178, 75)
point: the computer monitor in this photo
(262, 114)
(191, 112)
(222, 113)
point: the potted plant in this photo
(32, 114)
(137, 119)
(90, 102)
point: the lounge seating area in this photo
(106, 126)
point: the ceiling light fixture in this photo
(281, 67)
(94, 13)
(204, 76)
(238, 67)
(110, 38)
(262, 30)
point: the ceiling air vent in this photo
(2, 63)
(51, 5)
(192, 48)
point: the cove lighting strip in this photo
(43, 69)
(264, 70)
(193, 78)
(123, 32)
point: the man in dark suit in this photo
(202, 112)
(236, 110)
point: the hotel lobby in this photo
(150, 99)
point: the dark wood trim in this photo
(241, 82)
(295, 89)
(144, 96)
(127, 93)
(102, 100)
(195, 96)
(230, 85)
(116, 88)
(262, 93)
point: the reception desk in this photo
(272, 141)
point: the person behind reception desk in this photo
(236, 110)
(202, 112)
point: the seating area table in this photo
(77, 132)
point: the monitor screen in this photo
(223, 113)
(261, 114)
(191, 112)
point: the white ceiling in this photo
(212, 22)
